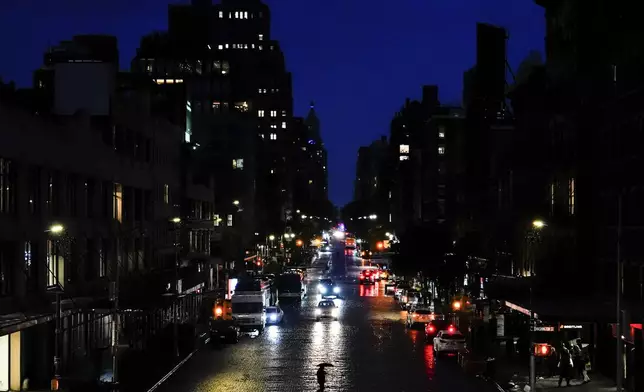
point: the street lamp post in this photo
(537, 226)
(177, 222)
(56, 230)
(619, 374)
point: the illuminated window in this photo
(274, 126)
(260, 47)
(273, 113)
(117, 202)
(283, 113)
(441, 135)
(220, 47)
(166, 194)
(229, 220)
(404, 149)
(221, 14)
(260, 113)
(238, 164)
(283, 124)
(216, 105)
(404, 157)
(273, 136)
(261, 37)
(571, 196)
(245, 14)
(390, 194)
(310, 182)
(216, 220)
(55, 264)
(236, 14)
(441, 150)
(241, 106)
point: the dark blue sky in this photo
(358, 59)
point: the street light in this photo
(56, 229)
(236, 202)
(175, 220)
(271, 237)
(537, 224)
(304, 217)
(388, 234)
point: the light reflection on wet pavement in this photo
(369, 346)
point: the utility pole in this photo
(115, 312)
(619, 373)
(533, 375)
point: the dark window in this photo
(5, 270)
(34, 190)
(7, 187)
(106, 198)
(72, 182)
(148, 206)
(90, 197)
(138, 204)
(53, 194)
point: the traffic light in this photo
(219, 311)
(541, 350)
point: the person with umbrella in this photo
(322, 374)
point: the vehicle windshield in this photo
(326, 281)
(423, 311)
(326, 304)
(272, 310)
(452, 336)
(248, 307)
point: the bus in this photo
(350, 243)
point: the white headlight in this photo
(336, 290)
(273, 317)
(322, 289)
(318, 311)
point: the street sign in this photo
(544, 328)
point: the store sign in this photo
(571, 326)
(544, 328)
(4, 363)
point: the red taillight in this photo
(451, 329)
(431, 328)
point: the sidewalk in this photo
(517, 371)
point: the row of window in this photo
(571, 196)
(240, 15)
(243, 46)
(161, 69)
(265, 91)
(273, 113)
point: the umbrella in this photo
(325, 365)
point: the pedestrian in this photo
(552, 361)
(585, 361)
(577, 360)
(565, 364)
(321, 377)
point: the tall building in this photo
(408, 143)
(238, 108)
(310, 166)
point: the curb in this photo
(202, 337)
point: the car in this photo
(367, 277)
(400, 287)
(390, 287)
(274, 315)
(327, 288)
(409, 299)
(326, 309)
(449, 341)
(222, 330)
(434, 327)
(420, 316)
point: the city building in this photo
(86, 214)
(237, 107)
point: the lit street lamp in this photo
(271, 237)
(236, 202)
(56, 230)
(537, 224)
(175, 220)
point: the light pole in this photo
(537, 225)
(619, 374)
(56, 230)
(177, 222)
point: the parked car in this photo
(224, 331)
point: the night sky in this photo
(357, 59)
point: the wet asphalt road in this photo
(369, 346)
